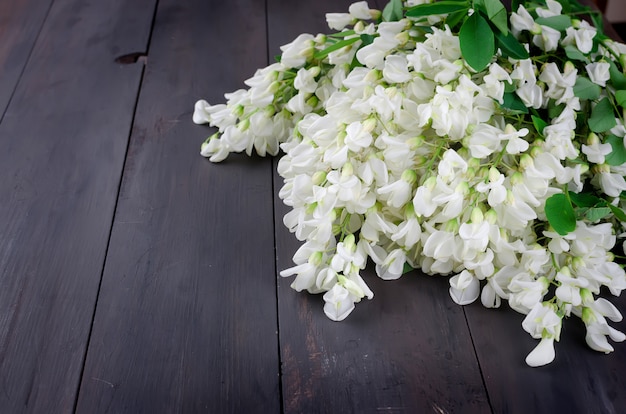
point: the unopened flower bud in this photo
(373, 76)
(416, 142)
(312, 101)
(586, 296)
(588, 316)
(409, 176)
(316, 258)
(311, 208)
(451, 226)
(244, 125)
(349, 242)
(517, 178)
(402, 37)
(491, 216)
(593, 139)
(318, 177)
(347, 170)
(369, 124)
(477, 215)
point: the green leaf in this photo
(477, 42)
(617, 156)
(617, 212)
(597, 213)
(573, 53)
(511, 47)
(342, 34)
(514, 103)
(617, 77)
(620, 97)
(560, 214)
(585, 89)
(584, 199)
(393, 11)
(560, 22)
(539, 124)
(496, 13)
(407, 268)
(455, 18)
(335, 46)
(440, 7)
(602, 116)
(554, 110)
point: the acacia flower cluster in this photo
(404, 146)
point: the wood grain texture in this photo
(186, 319)
(579, 380)
(20, 24)
(64, 138)
(408, 350)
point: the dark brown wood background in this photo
(137, 277)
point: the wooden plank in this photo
(579, 380)
(63, 139)
(406, 351)
(20, 23)
(186, 320)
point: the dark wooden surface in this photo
(136, 277)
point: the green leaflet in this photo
(539, 124)
(617, 77)
(514, 103)
(585, 200)
(618, 154)
(510, 46)
(597, 213)
(560, 214)
(393, 11)
(618, 212)
(574, 53)
(620, 97)
(477, 42)
(335, 46)
(560, 22)
(585, 89)
(602, 117)
(495, 12)
(440, 7)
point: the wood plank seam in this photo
(141, 58)
(26, 61)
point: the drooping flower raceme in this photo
(396, 150)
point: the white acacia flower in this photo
(296, 53)
(464, 288)
(582, 36)
(338, 21)
(522, 20)
(339, 303)
(396, 69)
(596, 151)
(548, 39)
(554, 9)
(543, 353)
(542, 321)
(305, 79)
(400, 145)
(360, 10)
(598, 72)
(392, 266)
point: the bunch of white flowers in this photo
(501, 163)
